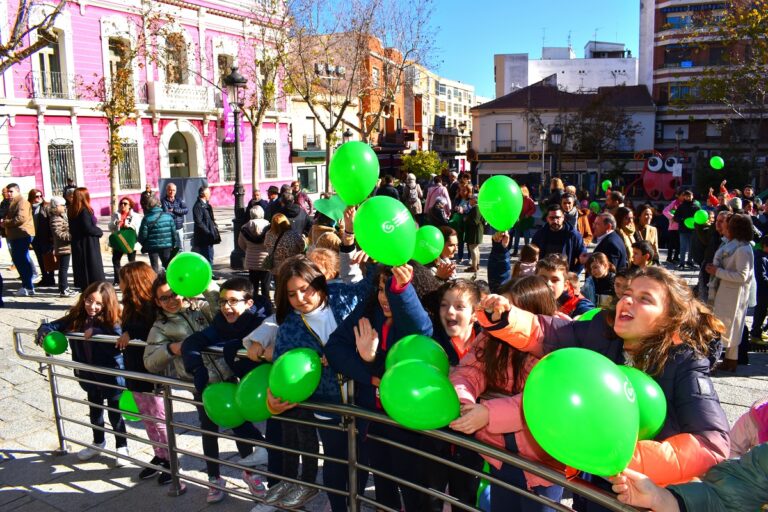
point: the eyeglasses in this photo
(125, 204)
(38, 196)
(165, 298)
(230, 302)
(89, 302)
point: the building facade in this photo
(53, 128)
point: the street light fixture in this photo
(329, 72)
(543, 139)
(236, 83)
(556, 138)
(346, 136)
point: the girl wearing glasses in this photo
(124, 218)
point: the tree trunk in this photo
(255, 135)
(328, 135)
(114, 183)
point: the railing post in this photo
(62, 450)
(173, 460)
(351, 425)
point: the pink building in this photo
(51, 128)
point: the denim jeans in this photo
(64, 271)
(518, 234)
(20, 257)
(685, 247)
(159, 259)
(206, 251)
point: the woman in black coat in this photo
(87, 265)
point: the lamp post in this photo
(543, 139)
(346, 136)
(329, 72)
(555, 137)
(678, 137)
(235, 83)
(462, 127)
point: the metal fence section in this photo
(61, 159)
(228, 161)
(350, 417)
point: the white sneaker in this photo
(24, 292)
(88, 453)
(120, 462)
(259, 457)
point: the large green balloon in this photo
(689, 223)
(189, 274)
(418, 396)
(429, 244)
(701, 217)
(420, 348)
(588, 315)
(55, 343)
(651, 402)
(500, 201)
(717, 162)
(251, 395)
(354, 171)
(295, 375)
(219, 404)
(127, 404)
(385, 230)
(582, 410)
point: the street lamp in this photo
(556, 138)
(543, 139)
(329, 72)
(236, 83)
(678, 137)
(346, 136)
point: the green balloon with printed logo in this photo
(500, 201)
(701, 217)
(251, 395)
(429, 244)
(354, 171)
(651, 402)
(55, 343)
(420, 348)
(127, 404)
(385, 230)
(219, 404)
(582, 410)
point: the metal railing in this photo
(350, 416)
(504, 146)
(52, 84)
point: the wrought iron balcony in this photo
(52, 84)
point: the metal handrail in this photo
(350, 414)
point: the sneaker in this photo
(88, 453)
(297, 497)
(255, 484)
(150, 472)
(119, 461)
(165, 478)
(216, 495)
(259, 457)
(277, 491)
(69, 292)
(24, 292)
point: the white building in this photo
(604, 65)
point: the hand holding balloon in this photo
(277, 405)
(473, 418)
(496, 304)
(366, 340)
(349, 219)
(402, 275)
(638, 490)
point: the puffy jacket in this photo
(60, 231)
(157, 231)
(499, 265)
(177, 208)
(251, 240)
(695, 435)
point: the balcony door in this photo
(51, 83)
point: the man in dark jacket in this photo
(714, 238)
(686, 210)
(206, 234)
(608, 241)
(387, 188)
(559, 237)
(175, 206)
(300, 221)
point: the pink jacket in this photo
(432, 195)
(750, 429)
(668, 213)
(505, 412)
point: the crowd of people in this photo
(329, 298)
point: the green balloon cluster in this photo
(605, 185)
(500, 202)
(701, 217)
(418, 396)
(429, 244)
(127, 404)
(189, 274)
(690, 223)
(582, 410)
(588, 315)
(717, 162)
(295, 375)
(354, 171)
(651, 402)
(251, 394)
(420, 348)
(55, 343)
(219, 404)
(385, 230)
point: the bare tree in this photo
(19, 44)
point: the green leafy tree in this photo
(424, 164)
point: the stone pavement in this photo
(32, 479)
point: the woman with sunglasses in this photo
(124, 218)
(42, 243)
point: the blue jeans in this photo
(206, 251)
(518, 234)
(503, 500)
(20, 257)
(685, 247)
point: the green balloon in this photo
(55, 343)
(127, 404)
(606, 185)
(354, 171)
(189, 274)
(251, 394)
(500, 202)
(418, 396)
(429, 244)
(582, 410)
(594, 206)
(333, 207)
(689, 223)
(651, 402)
(385, 230)
(295, 375)
(219, 404)
(420, 348)
(717, 162)
(589, 315)
(701, 217)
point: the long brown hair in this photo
(280, 224)
(297, 266)
(532, 294)
(687, 321)
(136, 280)
(108, 317)
(81, 199)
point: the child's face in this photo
(598, 269)
(638, 258)
(640, 308)
(620, 285)
(232, 304)
(457, 313)
(168, 300)
(382, 296)
(93, 304)
(555, 280)
(301, 296)
(450, 247)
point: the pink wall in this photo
(23, 140)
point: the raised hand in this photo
(496, 304)
(366, 340)
(473, 418)
(402, 274)
(445, 270)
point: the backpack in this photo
(411, 195)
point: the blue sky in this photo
(470, 32)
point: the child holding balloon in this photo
(659, 328)
(96, 311)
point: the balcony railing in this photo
(180, 97)
(52, 84)
(503, 146)
(311, 143)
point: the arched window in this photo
(178, 156)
